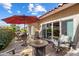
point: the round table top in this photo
(38, 43)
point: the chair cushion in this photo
(64, 45)
(55, 42)
(64, 38)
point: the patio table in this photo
(39, 46)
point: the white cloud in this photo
(40, 8)
(34, 13)
(10, 11)
(36, 8)
(7, 6)
(38, 15)
(18, 12)
(31, 6)
(2, 23)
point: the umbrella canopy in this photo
(21, 19)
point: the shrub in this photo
(23, 30)
(5, 37)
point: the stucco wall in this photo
(65, 13)
(69, 13)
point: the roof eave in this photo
(56, 10)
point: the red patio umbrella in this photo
(21, 19)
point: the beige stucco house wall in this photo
(71, 12)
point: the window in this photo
(56, 29)
(46, 31)
(49, 31)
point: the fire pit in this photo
(39, 46)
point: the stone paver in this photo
(22, 50)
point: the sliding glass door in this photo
(46, 31)
(67, 28)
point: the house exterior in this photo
(63, 20)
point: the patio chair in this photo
(24, 38)
(36, 36)
(17, 33)
(55, 44)
(63, 43)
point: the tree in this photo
(13, 27)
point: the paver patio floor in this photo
(50, 51)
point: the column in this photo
(60, 27)
(52, 30)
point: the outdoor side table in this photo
(39, 46)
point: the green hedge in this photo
(5, 38)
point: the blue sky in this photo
(36, 9)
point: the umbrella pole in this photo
(24, 28)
